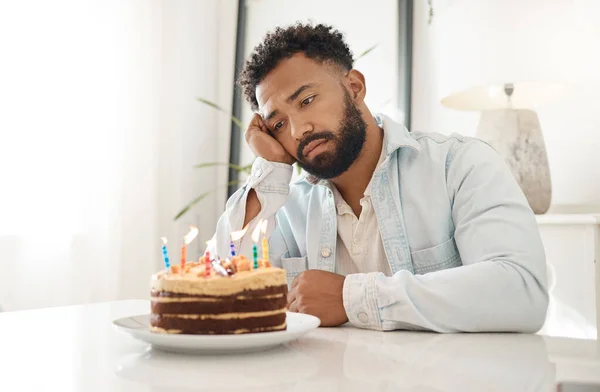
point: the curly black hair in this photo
(320, 42)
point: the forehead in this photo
(288, 75)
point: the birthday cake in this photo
(230, 297)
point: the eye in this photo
(278, 126)
(308, 100)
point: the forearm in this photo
(487, 296)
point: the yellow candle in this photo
(265, 245)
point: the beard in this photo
(347, 144)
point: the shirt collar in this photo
(395, 136)
(382, 157)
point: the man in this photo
(389, 229)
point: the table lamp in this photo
(505, 58)
(514, 130)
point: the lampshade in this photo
(526, 95)
(482, 45)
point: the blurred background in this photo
(107, 106)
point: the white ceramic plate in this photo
(137, 326)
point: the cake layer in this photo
(234, 324)
(230, 304)
(281, 327)
(271, 290)
(192, 284)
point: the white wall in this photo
(364, 24)
(571, 128)
(98, 134)
(197, 60)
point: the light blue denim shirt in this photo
(460, 238)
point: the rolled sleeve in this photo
(270, 177)
(359, 296)
(271, 181)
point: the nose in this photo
(300, 128)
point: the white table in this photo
(76, 349)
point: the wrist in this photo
(281, 160)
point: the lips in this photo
(312, 145)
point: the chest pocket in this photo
(442, 256)
(293, 266)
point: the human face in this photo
(309, 111)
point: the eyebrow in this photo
(290, 99)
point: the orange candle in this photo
(183, 258)
(189, 237)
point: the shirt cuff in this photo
(359, 295)
(270, 177)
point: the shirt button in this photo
(356, 241)
(257, 173)
(325, 252)
(363, 317)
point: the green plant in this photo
(430, 4)
(246, 169)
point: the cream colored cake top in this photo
(194, 282)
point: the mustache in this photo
(325, 135)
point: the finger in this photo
(291, 297)
(294, 307)
(254, 123)
(263, 127)
(261, 122)
(296, 281)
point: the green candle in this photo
(255, 251)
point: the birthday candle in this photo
(265, 243)
(189, 237)
(183, 257)
(210, 245)
(232, 248)
(207, 263)
(236, 235)
(165, 254)
(255, 235)
(255, 251)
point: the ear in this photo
(357, 85)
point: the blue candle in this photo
(232, 248)
(235, 236)
(165, 254)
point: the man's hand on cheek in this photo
(263, 144)
(319, 293)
